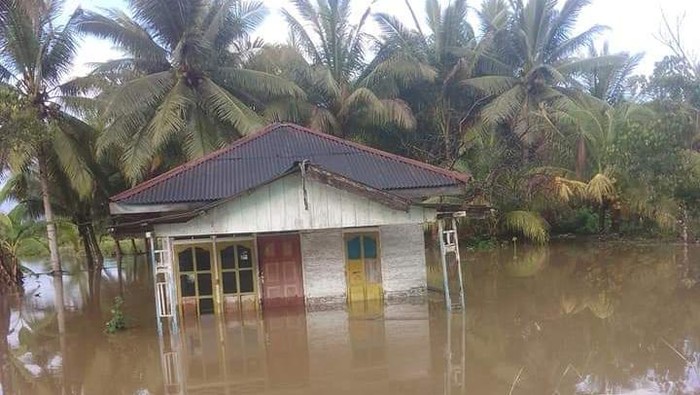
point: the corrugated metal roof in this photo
(259, 158)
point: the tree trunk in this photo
(55, 259)
(448, 138)
(94, 285)
(5, 374)
(580, 157)
(96, 252)
(118, 250)
(82, 230)
(601, 218)
(134, 250)
(59, 304)
(120, 274)
(684, 225)
(615, 218)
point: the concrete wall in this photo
(322, 254)
(403, 260)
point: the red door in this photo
(280, 268)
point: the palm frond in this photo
(129, 36)
(399, 113)
(504, 107)
(324, 120)
(146, 91)
(258, 83)
(491, 84)
(600, 188)
(528, 223)
(227, 108)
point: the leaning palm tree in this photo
(183, 68)
(345, 96)
(35, 55)
(541, 54)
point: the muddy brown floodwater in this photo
(564, 319)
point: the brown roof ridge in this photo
(450, 173)
(190, 164)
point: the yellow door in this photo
(363, 267)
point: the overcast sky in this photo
(633, 24)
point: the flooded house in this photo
(286, 217)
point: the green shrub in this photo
(118, 321)
(581, 221)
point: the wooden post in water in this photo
(449, 247)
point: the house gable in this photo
(281, 206)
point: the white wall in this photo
(402, 262)
(323, 253)
(279, 207)
(403, 259)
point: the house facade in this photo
(288, 217)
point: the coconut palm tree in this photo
(183, 66)
(19, 232)
(610, 82)
(35, 55)
(346, 96)
(73, 212)
(540, 54)
(447, 47)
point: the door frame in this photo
(177, 249)
(347, 235)
(178, 245)
(261, 276)
(353, 232)
(219, 245)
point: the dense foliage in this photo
(558, 134)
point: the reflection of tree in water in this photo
(588, 319)
(5, 375)
(43, 365)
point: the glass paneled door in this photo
(196, 278)
(238, 275)
(363, 267)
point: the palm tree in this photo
(73, 212)
(183, 65)
(19, 234)
(346, 96)
(594, 127)
(447, 48)
(610, 82)
(540, 56)
(36, 54)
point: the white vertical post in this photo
(458, 258)
(449, 243)
(167, 246)
(443, 259)
(156, 291)
(163, 282)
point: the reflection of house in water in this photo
(288, 217)
(376, 350)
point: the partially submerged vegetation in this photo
(559, 134)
